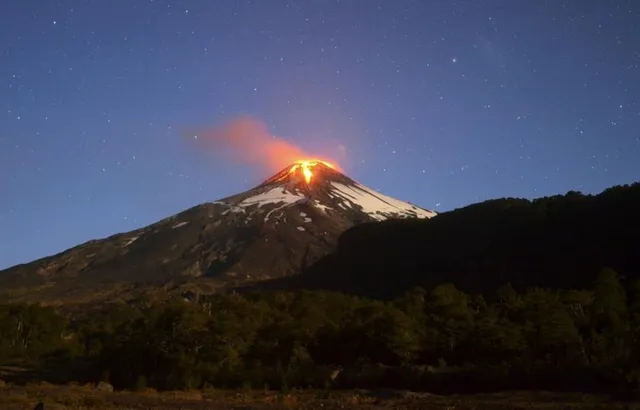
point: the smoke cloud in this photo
(247, 140)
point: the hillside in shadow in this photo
(560, 241)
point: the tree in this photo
(610, 299)
(552, 333)
(449, 313)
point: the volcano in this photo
(322, 188)
(273, 230)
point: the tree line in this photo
(440, 340)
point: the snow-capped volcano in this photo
(275, 229)
(322, 186)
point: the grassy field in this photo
(88, 397)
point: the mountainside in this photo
(275, 229)
(559, 242)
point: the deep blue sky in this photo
(442, 103)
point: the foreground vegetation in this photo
(441, 341)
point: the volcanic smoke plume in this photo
(247, 140)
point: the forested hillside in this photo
(440, 340)
(560, 241)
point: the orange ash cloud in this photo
(248, 140)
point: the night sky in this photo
(441, 103)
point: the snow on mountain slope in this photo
(329, 190)
(377, 205)
(272, 196)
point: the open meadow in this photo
(77, 397)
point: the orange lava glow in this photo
(306, 167)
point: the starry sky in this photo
(441, 103)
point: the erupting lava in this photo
(306, 166)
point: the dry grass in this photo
(76, 397)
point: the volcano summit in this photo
(275, 229)
(320, 185)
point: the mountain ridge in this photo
(275, 229)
